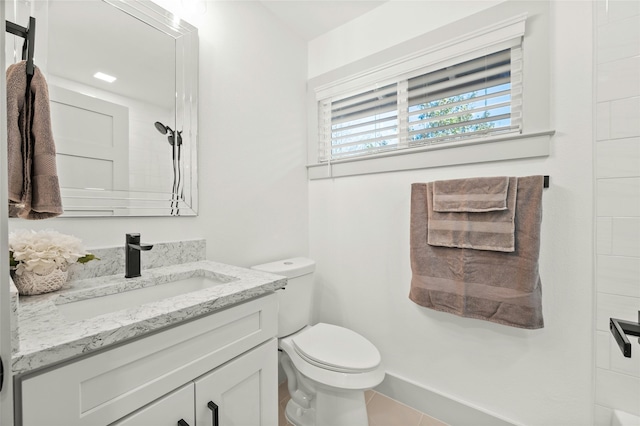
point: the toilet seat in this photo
(337, 349)
(326, 370)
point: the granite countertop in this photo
(46, 336)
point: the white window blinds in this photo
(360, 124)
(475, 98)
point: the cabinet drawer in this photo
(167, 411)
(105, 387)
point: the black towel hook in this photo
(29, 35)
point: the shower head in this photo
(172, 135)
(162, 128)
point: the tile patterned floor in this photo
(382, 411)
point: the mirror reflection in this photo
(119, 73)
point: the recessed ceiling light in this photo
(106, 77)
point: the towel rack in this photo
(29, 35)
(619, 328)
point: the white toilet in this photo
(328, 368)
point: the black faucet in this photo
(132, 249)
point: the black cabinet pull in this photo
(181, 422)
(214, 409)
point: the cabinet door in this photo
(244, 389)
(169, 410)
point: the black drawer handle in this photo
(214, 408)
(181, 422)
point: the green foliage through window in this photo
(451, 117)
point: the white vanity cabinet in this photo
(228, 357)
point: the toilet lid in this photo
(336, 348)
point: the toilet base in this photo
(342, 408)
(298, 416)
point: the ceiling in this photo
(141, 57)
(311, 18)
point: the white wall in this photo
(359, 236)
(617, 173)
(252, 132)
(399, 20)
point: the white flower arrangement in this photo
(43, 251)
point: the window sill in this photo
(508, 147)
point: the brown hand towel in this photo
(16, 129)
(34, 191)
(474, 228)
(483, 194)
(494, 286)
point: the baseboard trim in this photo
(446, 408)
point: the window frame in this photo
(532, 142)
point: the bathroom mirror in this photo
(126, 147)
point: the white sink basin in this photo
(89, 308)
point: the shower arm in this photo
(620, 328)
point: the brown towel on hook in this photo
(494, 286)
(483, 194)
(474, 226)
(34, 191)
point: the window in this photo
(451, 96)
(476, 97)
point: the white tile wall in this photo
(617, 390)
(618, 275)
(614, 306)
(618, 79)
(625, 235)
(604, 235)
(618, 40)
(624, 122)
(620, 364)
(618, 196)
(602, 416)
(619, 157)
(609, 356)
(616, 10)
(617, 173)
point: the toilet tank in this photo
(294, 310)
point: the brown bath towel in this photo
(473, 228)
(34, 191)
(494, 286)
(470, 195)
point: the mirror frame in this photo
(101, 203)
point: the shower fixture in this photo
(175, 140)
(172, 135)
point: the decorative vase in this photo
(30, 283)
